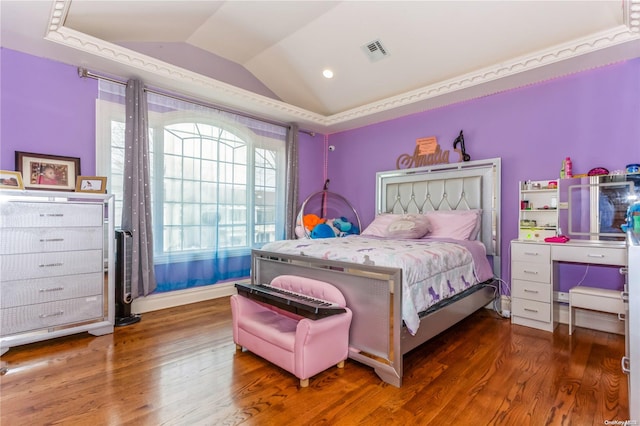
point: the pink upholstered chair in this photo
(302, 346)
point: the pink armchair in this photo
(302, 346)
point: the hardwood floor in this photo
(179, 367)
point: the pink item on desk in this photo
(557, 239)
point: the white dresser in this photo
(55, 259)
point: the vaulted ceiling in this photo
(389, 58)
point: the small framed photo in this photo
(10, 180)
(95, 184)
(49, 172)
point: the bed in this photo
(379, 291)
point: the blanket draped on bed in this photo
(432, 269)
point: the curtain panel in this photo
(218, 185)
(136, 211)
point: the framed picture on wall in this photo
(10, 180)
(95, 184)
(49, 172)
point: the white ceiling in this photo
(439, 52)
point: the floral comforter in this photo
(432, 269)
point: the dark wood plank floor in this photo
(179, 367)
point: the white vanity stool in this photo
(595, 299)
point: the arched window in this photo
(217, 185)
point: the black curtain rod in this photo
(84, 73)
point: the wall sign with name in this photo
(428, 152)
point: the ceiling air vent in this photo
(375, 50)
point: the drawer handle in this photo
(526, 290)
(531, 253)
(55, 314)
(50, 240)
(531, 310)
(530, 272)
(624, 296)
(49, 265)
(51, 214)
(625, 364)
(622, 317)
(624, 270)
(45, 290)
(599, 256)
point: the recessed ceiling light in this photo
(327, 73)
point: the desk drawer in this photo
(538, 311)
(539, 272)
(536, 253)
(531, 290)
(596, 255)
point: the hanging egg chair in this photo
(325, 214)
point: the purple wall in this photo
(46, 109)
(593, 117)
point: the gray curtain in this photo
(292, 182)
(136, 209)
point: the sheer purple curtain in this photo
(136, 211)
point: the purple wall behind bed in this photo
(593, 117)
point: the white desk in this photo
(534, 272)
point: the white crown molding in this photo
(236, 97)
(620, 34)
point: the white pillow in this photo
(455, 224)
(418, 224)
(409, 226)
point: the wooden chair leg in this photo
(340, 364)
(238, 348)
(304, 383)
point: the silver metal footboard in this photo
(374, 294)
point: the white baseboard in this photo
(171, 299)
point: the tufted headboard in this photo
(458, 186)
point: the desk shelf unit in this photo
(56, 252)
(538, 217)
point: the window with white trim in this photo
(217, 183)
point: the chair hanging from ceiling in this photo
(326, 214)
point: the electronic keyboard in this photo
(296, 303)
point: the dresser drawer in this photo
(29, 292)
(531, 309)
(582, 254)
(36, 240)
(531, 290)
(19, 214)
(52, 314)
(41, 265)
(531, 271)
(532, 253)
